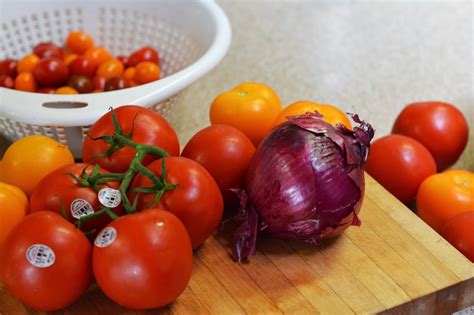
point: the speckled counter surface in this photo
(370, 57)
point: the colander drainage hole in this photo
(64, 104)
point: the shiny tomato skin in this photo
(148, 264)
(149, 128)
(196, 201)
(8, 67)
(143, 54)
(47, 50)
(14, 207)
(58, 285)
(82, 66)
(439, 126)
(400, 164)
(224, 151)
(459, 232)
(51, 72)
(59, 190)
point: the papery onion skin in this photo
(305, 182)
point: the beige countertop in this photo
(366, 57)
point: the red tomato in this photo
(8, 67)
(59, 192)
(143, 260)
(224, 151)
(47, 90)
(51, 72)
(48, 50)
(143, 54)
(82, 66)
(46, 262)
(400, 164)
(115, 83)
(99, 82)
(149, 128)
(439, 126)
(196, 201)
(459, 232)
(6, 81)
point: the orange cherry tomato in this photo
(97, 55)
(14, 206)
(27, 63)
(69, 57)
(25, 81)
(147, 71)
(459, 232)
(66, 90)
(444, 195)
(331, 114)
(110, 68)
(132, 83)
(98, 91)
(129, 73)
(79, 42)
(250, 107)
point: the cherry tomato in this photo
(331, 114)
(115, 83)
(82, 66)
(27, 63)
(250, 107)
(129, 73)
(43, 152)
(143, 54)
(8, 67)
(6, 81)
(69, 58)
(146, 71)
(47, 90)
(196, 200)
(60, 192)
(458, 232)
(149, 128)
(439, 126)
(400, 164)
(110, 68)
(66, 90)
(25, 81)
(224, 151)
(79, 42)
(123, 59)
(51, 72)
(444, 195)
(98, 91)
(80, 83)
(97, 55)
(46, 262)
(48, 50)
(99, 82)
(143, 260)
(13, 210)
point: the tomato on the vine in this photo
(46, 262)
(143, 260)
(149, 127)
(196, 200)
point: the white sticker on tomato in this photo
(109, 197)
(40, 255)
(105, 237)
(81, 208)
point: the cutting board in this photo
(394, 263)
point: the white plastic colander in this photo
(191, 37)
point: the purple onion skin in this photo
(305, 182)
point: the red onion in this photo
(305, 182)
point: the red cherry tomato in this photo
(99, 82)
(82, 66)
(48, 50)
(149, 128)
(115, 83)
(400, 164)
(143, 54)
(51, 72)
(143, 260)
(459, 232)
(46, 262)
(123, 59)
(218, 147)
(439, 126)
(47, 90)
(196, 201)
(81, 83)
(59, 192)
(6, 81)
(8, 67)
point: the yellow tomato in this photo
(13, 207)
(29, 159)
(331, 114)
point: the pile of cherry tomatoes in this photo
(78, 67)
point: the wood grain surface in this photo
(392, 264)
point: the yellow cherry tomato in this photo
(13, 207)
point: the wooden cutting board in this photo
(394, 263)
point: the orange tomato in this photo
(331, 114)
(27, 63)
(129, 73)
(79, 42)
(250, 107)
(69, 57)
(459, 231)
(97, 55)
(25, 81)
(147, 71)
(444, 195)
(111, 68)
(66, 90)
(28, 160)
(14, 206)
(98, 91)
